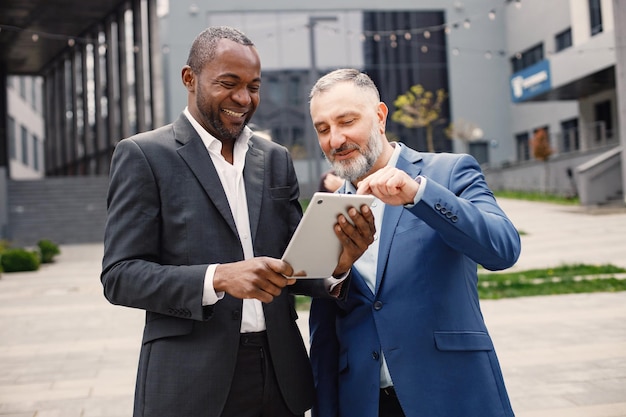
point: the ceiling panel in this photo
(33, 32)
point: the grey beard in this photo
(362, 164)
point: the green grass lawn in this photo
(537, 196)
(566, 279)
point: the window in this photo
(480, 151)
(595, 17)
(527, 58)
(523, 147)
(294, 91)
(275, 91)
(570, 140)
(563, 40)
(24, 145)
(35, 153)
(33, 94)
(12, 138)
(23, 87)
(604, 121)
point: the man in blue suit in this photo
(409, 339)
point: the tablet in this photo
(314, 248)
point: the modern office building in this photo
(508, 69)
(25, 127)
(564, 78)
(76, 79)
(399, 43)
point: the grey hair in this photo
(204, 46)
(358, 78)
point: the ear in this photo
(382, 112)
(188, 78)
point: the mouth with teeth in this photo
(233, 113)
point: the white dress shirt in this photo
(368, 262)
(231, 176)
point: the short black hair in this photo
(204, 46)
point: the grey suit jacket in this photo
(168, 219)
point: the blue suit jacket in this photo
(425, 314)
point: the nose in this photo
(242, 96)
(336, 139)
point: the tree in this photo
(465, 131)
(419, 108)
(540, 145)
(541, 149)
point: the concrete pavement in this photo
(66, 352)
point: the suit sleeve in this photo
(131, 274)
(463, 210)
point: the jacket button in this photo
(437, 206)
(375, 355)
(236, 314)
(378, 305)
(454, 219)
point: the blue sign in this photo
(531, 81)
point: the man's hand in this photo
(355, 238)
(391, 185)
(262, 278)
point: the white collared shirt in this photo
(231, 177)
(367, 264)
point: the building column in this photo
(619, 16)
(4, 155)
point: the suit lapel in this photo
(253, 175)
(408, 162)
(197, 158)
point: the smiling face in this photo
(225, 94)
(350, 126)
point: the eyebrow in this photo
(235, 77)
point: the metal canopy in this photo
(591, 84)
(33, 32)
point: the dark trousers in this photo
(254, 391)
(388, 405)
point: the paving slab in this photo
(65, 351)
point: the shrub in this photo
(18, 260)
(4, 244)
(48, 250)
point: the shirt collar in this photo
(212, 144)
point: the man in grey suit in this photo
(199, 213)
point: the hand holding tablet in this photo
(314, 247)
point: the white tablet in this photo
(314, 247)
